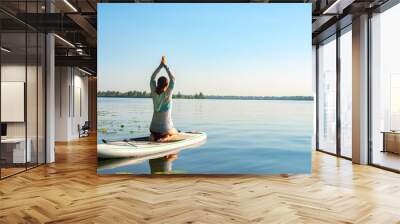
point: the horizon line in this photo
(211, 95)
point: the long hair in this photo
(162, 82)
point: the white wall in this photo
(79, 112)
(71, 102)
(62, 82)
(33, 126)
(12, 73)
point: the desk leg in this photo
(384, 142)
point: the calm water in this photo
(244, 136)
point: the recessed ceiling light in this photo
(337, 7)
(70, 5)
(84, 71)
(64, 40)
(5, 50)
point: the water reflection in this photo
(161, 163)
(158, 164)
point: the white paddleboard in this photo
(140, 147)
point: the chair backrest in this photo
(3, 129)
(86, 125)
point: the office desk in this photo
(391, 141)
(13, 150)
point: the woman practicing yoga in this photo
(161, 128)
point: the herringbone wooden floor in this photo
(69, 191)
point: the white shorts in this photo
(161, 122)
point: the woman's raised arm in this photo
(171, 77)
(153, 77)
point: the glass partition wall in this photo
(13, 86)
(334, 98)
(327, 95)
(334, 105)
(22, 78)
(345, 61)
(385, 89)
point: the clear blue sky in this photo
(219, 49)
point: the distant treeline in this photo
(261, 97)
(145, 94)
(200, 95)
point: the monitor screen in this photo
(3, 129)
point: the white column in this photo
(50, 92)
(360, 90)
(50, 99)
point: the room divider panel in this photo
(22, 77)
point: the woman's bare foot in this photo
(164, 139)
(173, 132)
(171, 157)
(168, 138)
